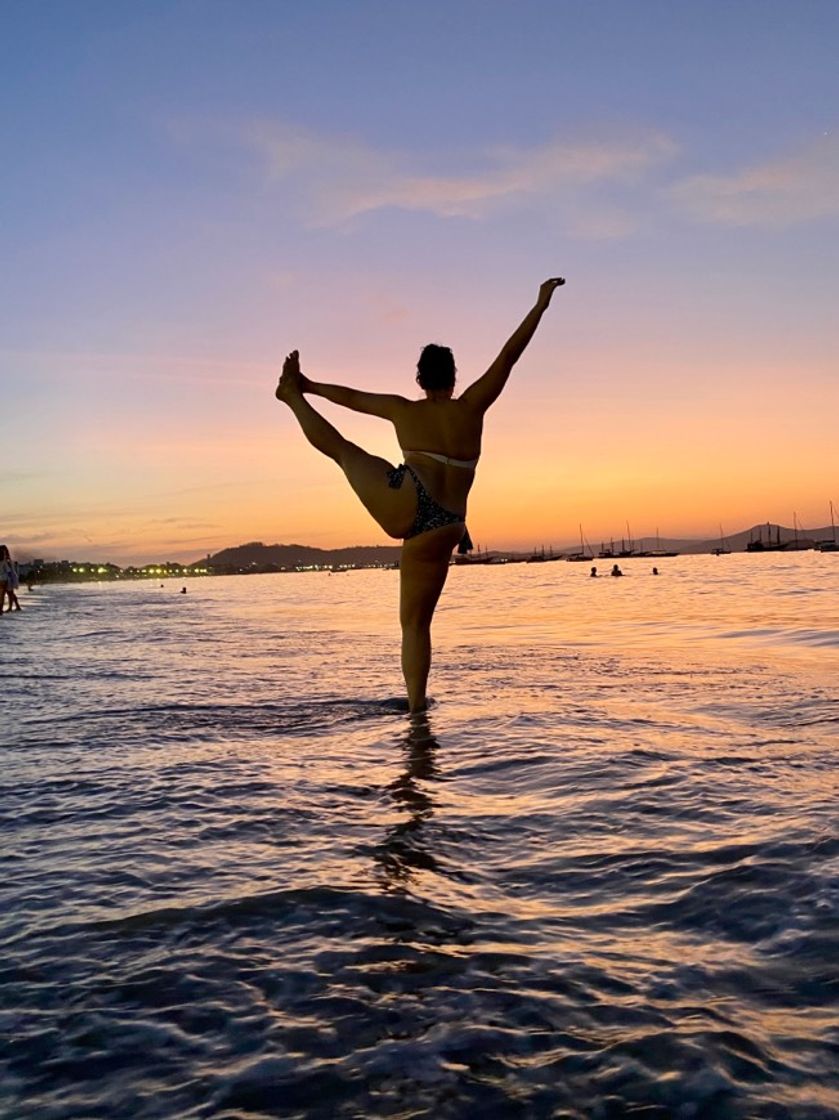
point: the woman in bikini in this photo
(423, 501)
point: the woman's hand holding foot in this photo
(292, 382)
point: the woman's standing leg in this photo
(423, 568)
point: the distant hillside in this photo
(278, 556)
(257, 556)
(735, 542)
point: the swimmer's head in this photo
(436, 369)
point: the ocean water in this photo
(599, 880)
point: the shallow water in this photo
(601, 879)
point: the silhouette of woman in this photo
(440, 438)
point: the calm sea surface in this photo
(600, 880)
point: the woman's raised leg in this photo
(423, 568)
(393, 509)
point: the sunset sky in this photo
(191, 189)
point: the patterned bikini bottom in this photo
(430, 514)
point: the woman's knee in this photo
(415, 619)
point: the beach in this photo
(599, 879)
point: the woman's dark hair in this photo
(436, 368)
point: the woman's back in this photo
(444, 427)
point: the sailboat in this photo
(768, 545)
(624, 550)
(721, 550)
(658, 550)
(796, 544)
(539, 557)
(582, 555)
(831, 545)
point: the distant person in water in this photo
(593, 573)
(615, 571)
(422, 501)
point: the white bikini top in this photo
(464, 464)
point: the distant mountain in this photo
(256, 556)
(275, 557)
(735, 542)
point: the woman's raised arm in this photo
(483, 392)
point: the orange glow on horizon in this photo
(663, 446)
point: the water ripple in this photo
(599, 881)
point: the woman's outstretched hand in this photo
(547, 289)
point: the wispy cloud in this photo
(14, 476)
(162, 367)
(181, 522)
(340, 178)
(15, 539)
(800, 187)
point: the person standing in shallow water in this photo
(9, 581)
(422, 501)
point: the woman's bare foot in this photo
(291, 379)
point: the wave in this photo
(808, 636)
(165, 723)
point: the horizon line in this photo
(759, 525)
